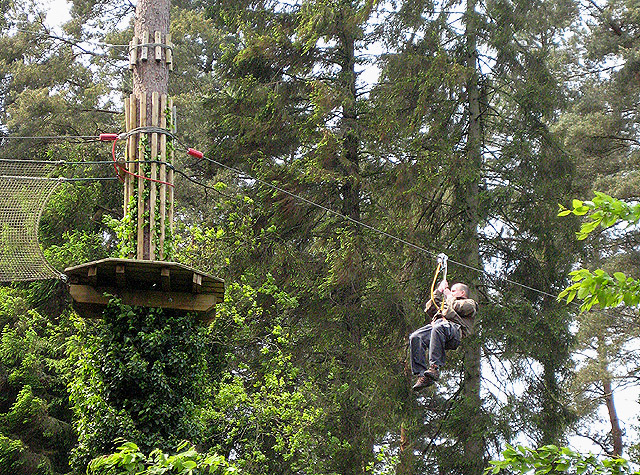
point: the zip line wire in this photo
(199, 155)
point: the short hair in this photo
(464, 287)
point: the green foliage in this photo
(35, 429)
(552, 459)
(15, 458)
(138, 376)
(603, 210)
(27, 409)
(125, 229)
(11, 452)
(598, 287)
(128, 460)
(71, 208)
(77, 247)
(71, 231)
(260, 385)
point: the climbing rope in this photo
(442, 265)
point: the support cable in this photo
(199, 155)
(87, 138)
(59, 179)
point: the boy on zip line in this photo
(452, 313)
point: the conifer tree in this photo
(599, 130)
(507, 99)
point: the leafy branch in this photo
(553, 459)
(604, 211)
(128, 460)
(598, 287)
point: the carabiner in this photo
(442, 261)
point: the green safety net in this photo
(25, 187)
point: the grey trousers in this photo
(433, 338)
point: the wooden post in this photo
(132, 146)
(163, 176)
(158, 40)
(133, 53)
(150, 60)
(169, 52)
(170, 174)
(127, 152)
(142, 202)
(153, 192)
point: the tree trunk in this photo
(350, 190)
(349, 291)
(467, 191)
(552, 422)
(150, 75)
(616, 432)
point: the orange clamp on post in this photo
(195, 153)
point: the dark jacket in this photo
(460, 311)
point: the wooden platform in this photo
(168, 285)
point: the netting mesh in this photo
(25, 187)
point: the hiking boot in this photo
(422, 382)
(433, 373)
